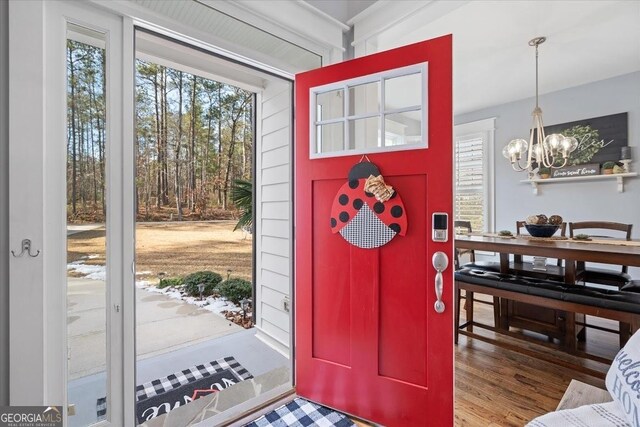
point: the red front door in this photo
(368, 340)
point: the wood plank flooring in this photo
(499, 387)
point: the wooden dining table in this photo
(617, 252)
(573, 253)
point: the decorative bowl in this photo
(543, 230)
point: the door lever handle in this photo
(26, 247)
(440, 262)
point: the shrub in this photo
(210, 279)
(236, 290)
(170, 281)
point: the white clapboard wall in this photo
(273, 214)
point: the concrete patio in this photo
(171, 336)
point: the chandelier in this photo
(550, 151)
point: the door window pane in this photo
(364, 133)
(403, 128)
(330, 105)
(364, 99)
(331, 137)
(403, 92)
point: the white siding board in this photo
(276, 193)
(279, 120)
(276, 175)
(276, 317)
(275, 263)
(276, 246)
(277, 157)
(272, 297)
(275, 210)
(276, 332)
(276, 281)
(280, 102)
(275, 228)
(278, 138)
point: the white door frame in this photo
(37, 129)
(37, 135)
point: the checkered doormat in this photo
(160, 396)
(302, 413)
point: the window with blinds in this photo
(470, 181)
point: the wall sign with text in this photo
(600, 139)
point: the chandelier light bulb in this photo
(569, 144)
(553, 141)
(537, 152)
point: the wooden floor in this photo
(499, 387)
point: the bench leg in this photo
(625, 333)
(468, 306)
(496, 312)
(570, 343)
(504, 310)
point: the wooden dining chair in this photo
(603, 276)
(464, 226)
(604, 230)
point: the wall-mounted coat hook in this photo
(26, 247)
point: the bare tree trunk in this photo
(101, 136)
(178, 144)
(165, 138)
(92, 110)
(156, 87)
(74, 168)
(219, 157)
(192, 148)
(234, 129)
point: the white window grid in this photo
(315, 144)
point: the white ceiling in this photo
(587, 40)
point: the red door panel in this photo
(368, 340)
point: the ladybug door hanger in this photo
(366, 212)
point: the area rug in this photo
(302, 413)
(162, 395)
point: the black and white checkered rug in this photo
(159, 396)
(302, 413)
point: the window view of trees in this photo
(194, 139)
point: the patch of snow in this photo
(93, 272)
(146, 273)
(215, 305)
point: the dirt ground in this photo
(176, 248)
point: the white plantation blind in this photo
(469, 175)
(473, 174)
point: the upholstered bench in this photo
(623, 306)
